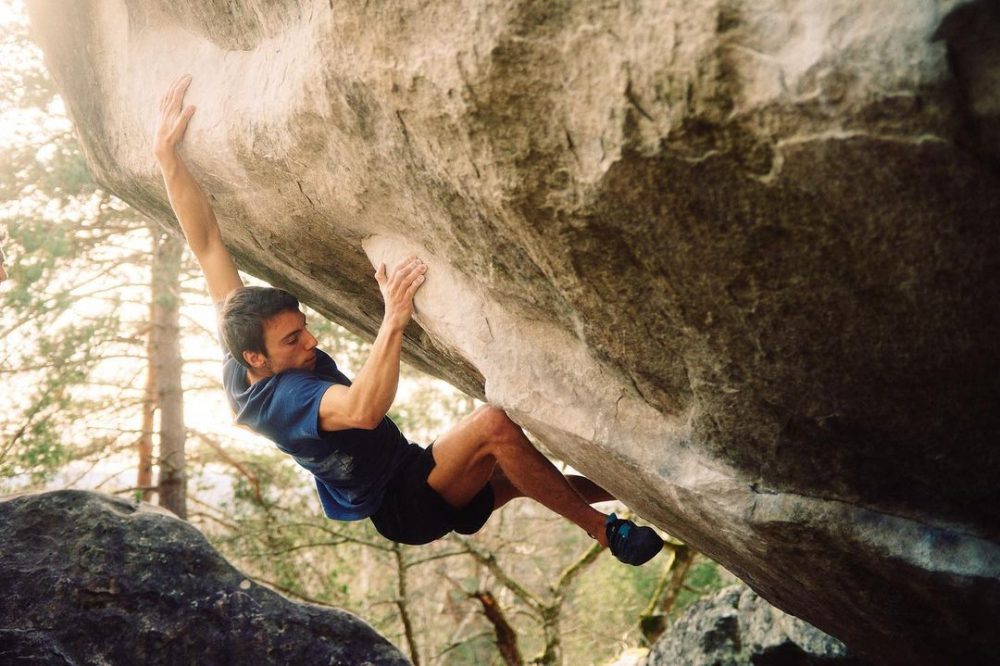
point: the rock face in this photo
(91, 579)
(736, 627)
(737, 261)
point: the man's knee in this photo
(501, 436)
(495, 425)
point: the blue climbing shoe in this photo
(630, 543)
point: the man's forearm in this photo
(190, 204)
(369, 398)
(374, 387)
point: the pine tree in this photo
(73, 328)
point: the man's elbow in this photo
(359, 420)
(369, 421)
(343, 408)
(365, 413)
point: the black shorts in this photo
(413, 513)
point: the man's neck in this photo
(253, 378)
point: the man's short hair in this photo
(243, 315)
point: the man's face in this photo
(289, 345)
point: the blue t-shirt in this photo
(352, 467)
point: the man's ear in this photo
(256, 360)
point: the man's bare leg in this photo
(504, 491)
(467, 456)
(589, 490)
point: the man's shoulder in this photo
(291, 379)
(291, 385)
(322, 358)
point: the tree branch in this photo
(489, 560)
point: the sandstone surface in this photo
(737, 261)
(93, 579)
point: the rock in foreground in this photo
(92, 579)
(735, 627)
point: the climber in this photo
(281, 386)
(3, 267)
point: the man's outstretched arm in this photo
(188, 200)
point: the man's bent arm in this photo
(368, 399)
(188, 200)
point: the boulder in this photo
(735, 627)
(93, 579)
(737, 261)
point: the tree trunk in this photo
(166, 364)
(506, 635)
(653, 620)
(552, 652)
(144, 477)
(402, 602)
(682, 564)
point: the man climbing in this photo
(280, 385)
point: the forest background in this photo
(111, 381)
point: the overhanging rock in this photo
(737, 261)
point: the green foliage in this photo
(38, 442)
(704, 578)
(644, 579)
(24, 83)
(78, 261)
